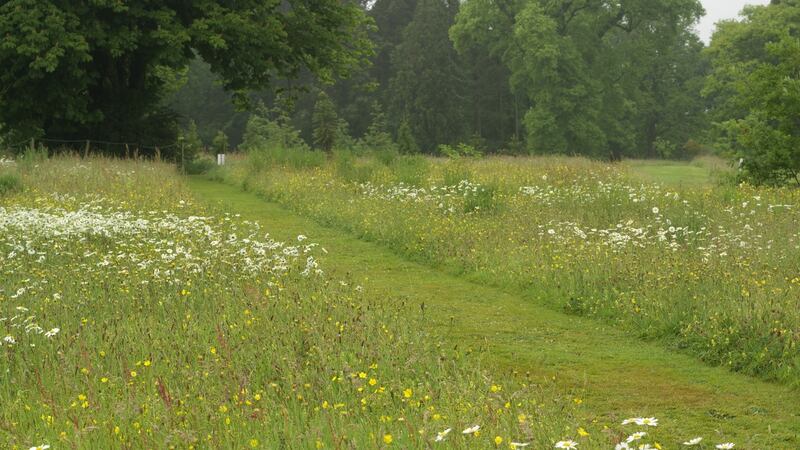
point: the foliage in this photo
(461, 150)
(406, 143)
(378, 137)
(220, 143)
(203, 163)
(264, 133)
(327, 126)
(427, 87)
(203, 99)
(592, 71)
(756, 91)
(274, 142)
(191, 146)
(100, 70)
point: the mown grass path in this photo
(613, 375)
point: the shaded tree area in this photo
(597, 78)
(754, 88)
(102, 69)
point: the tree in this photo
(429, 87)
(327, 125)
(405, 139)
(377, 136)
(220, 142)
(191, 144)
(99, 69)
(580, 66)
(202, 98)
(755, 89)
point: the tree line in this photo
(605, 79)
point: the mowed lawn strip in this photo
(612, 376)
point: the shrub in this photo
(386, 156)
(459, 151)
(406, 143)
(220, 142)
(276, 143)
(200, 164)
(262, 133)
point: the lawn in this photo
(702, 171)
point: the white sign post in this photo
(220, 159)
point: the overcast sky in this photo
(720, 10)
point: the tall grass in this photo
(709, 269)
(134, 317)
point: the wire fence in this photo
(95, 146)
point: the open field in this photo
(709, 270)
(134, 317)
(607, 375)
(140, 312)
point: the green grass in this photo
(691, 267)
(133, 316)
(703, 171)
(611, 375)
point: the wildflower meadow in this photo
(135, 316)
(710, 270)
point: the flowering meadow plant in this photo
(133, 317)
(710, 269)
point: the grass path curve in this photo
(612, 375)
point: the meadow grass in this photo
(608, 375)
(708, 269)
(704, 170)
(135, 317)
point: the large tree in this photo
(429, 85)
(99, 69)
(755, 90)
(581, 65)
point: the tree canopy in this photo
(598, 78)
(591, 70)
(99, 69)
(755, 90)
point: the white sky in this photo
(719, 10)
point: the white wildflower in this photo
(442, 434)
(471, 429)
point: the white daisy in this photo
(568, 444)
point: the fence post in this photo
(86, 150)
(127, 152)
(33, 145)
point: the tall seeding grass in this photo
(712, 270)
(133, 317)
